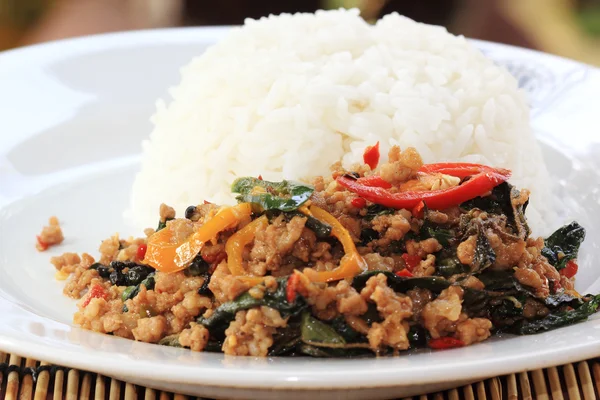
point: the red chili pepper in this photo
(374, 181)
(445, 342)
(570, 269)
(483, 179)
(291, 287)
(411, 261)
(405, 273)
(141, 251)
(419, 210)
(96, 292)
(260, 178)
(358, 202)
(556, 286)
(371, 156)
(462, 170)
(42, 246)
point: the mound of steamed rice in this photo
(286, 96)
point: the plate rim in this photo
(279, 380)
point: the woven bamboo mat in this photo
(24, 379)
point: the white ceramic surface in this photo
(73, 114)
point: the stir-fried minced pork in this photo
(51, 235)
(369, 260)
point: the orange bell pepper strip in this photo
(165, 254)
(236, 243)
(351, 264)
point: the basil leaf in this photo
(559, 319)
(265, 195)
(225, 313)
(315, 332)
(401, 284)
(563, 245)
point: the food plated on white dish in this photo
(375, 213)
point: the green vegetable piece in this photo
(316, 332)
(127, 293)
(96, 266)
(321, 229)
(213, 346)
(371, 315)
(325, 352)
(484, 255)
(559, 319)
(163, 224)
(131, 291)
(265, 195)
(401, 284)
(451, 266)
(563, 245)
(319, 339)
(562, 299)
(171, 340)
(510, 307)
(320, 352)
(146, 311)
(430, 229)
(417, 336)
(443, 236)
(502, 202)
(376, 209)
(475, 301)
(346, 331)
(198, 267)
(502, 281)
(286, 340)
(284, 347)
(225, 313)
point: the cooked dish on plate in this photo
(371, 260)
(343, 190)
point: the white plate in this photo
(72, 116)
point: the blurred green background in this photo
(570, 28)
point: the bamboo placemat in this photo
(24, 379)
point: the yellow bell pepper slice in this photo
(165, 254)
(351, 264)
(236, 243)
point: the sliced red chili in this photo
(141, 251)
(41, 245)
(482, 182)
(291, 287)
(374, 181)
(570, 269)
(419, 210)
(358, 202)
(411, 261)
(371, 156)
(462, 170)
(96, 291)
(405, 273)
(445, 342)
(555, 285)
(260, 178)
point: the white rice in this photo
(286, 96)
